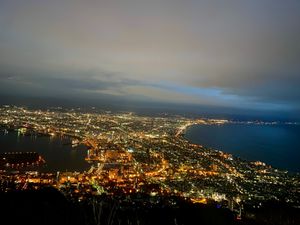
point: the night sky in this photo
(234, 54)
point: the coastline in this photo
(239, 153)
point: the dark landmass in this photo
(49, 206)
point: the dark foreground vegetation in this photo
(48, 206)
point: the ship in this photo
(75, 143)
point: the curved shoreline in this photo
(241, 156)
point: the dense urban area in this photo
(141, 160)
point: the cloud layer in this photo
(234, 53)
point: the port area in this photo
(19, 160)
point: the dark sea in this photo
(57, 152)
(276, 145)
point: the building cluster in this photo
(129, 154)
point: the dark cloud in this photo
(234, 53)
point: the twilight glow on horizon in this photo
(240, 54)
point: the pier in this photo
(20, 159)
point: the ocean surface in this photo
(59, 155)
(276, 145)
